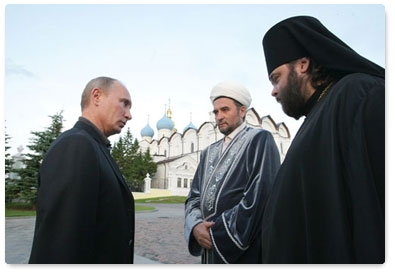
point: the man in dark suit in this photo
(85, 210)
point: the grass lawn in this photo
(19, 212)
(140, 205)
(163, 200)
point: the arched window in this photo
(192, 147)
(179, 182)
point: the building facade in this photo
(178, 154)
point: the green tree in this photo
(10, 188)
(133, 164)
(39, 145)
(149, 166)
(8, 160)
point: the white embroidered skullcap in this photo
(231, 90)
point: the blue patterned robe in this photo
(231, 189)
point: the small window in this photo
(192, 147)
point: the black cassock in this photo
(327, 203)
(231, 189)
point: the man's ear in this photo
(96, 94)
(304, 64)
(243, 111)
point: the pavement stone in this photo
(159, 237)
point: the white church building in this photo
(177, 154)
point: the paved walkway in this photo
(159, 237)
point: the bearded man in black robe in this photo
(224, 209)
(327, 203)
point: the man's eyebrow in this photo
(128, 101)
(272, 76)
(221, 108)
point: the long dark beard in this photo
(292, 100)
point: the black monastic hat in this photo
(305, 36)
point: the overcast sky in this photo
(162, 53)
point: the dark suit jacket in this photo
(85, 210)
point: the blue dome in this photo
(147, 131)
(165, 123)
(190, 125)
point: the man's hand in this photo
(202, 235)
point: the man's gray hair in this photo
(104, 83)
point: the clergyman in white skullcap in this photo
(231, 90)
